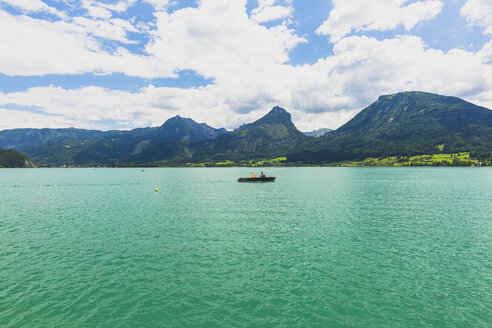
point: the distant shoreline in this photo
(252, 167)
(461, 159)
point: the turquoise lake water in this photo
(320, 247)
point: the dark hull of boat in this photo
(265, 179)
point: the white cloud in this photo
(68, 47)
(101, 24)
(17, 119)
(232, 47)
(96, 11)
(479, 12)
(100, 10)
(118, 7)
(248, 62)
(325, 94)
(271, 13)
(364, 68)
(91, 104)
(33, 6)
(37, 47)
(111, 29)
(158, 4)
(267, 11)
(378, 15)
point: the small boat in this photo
(257, 179)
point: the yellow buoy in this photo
(156, 189)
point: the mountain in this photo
(407, 123)
(12, 158)
(272, 135)
(22, 139)
(318, 133)
(187, 130)
(242, 126)
(111, 148)
(403, 124)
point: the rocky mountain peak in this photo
(276, 115)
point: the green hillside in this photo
(14, 159)
(404, 124)
(271, 136)
(458, 159)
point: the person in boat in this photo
(252, 175)
(262, 175)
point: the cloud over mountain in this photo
(246, 50)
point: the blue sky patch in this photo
(117, 81)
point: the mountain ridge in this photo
(402, 124)
(22, 139)
(405, 123)
(109, 149)
(273, 134)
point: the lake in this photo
(319, 247)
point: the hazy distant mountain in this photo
(12, 158)
(108, 149)
(318, 133)
(272, 135)
(242, 126)
(22, 139)
(405, 124)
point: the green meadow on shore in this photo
(456, 159)
(251, 163)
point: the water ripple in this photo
(319, 247)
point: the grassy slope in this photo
(279, 161)
(457, 159)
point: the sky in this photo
(123, 64)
